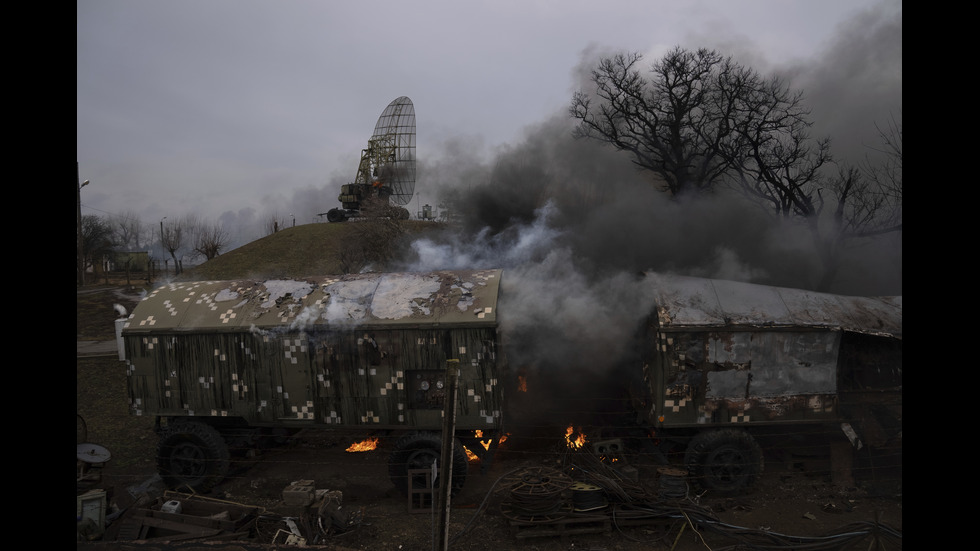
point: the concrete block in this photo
(299, 494)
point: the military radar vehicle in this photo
(386, 173)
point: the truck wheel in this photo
(417, 451)
(193, 455)
(725, 461)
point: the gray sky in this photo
(243, 109)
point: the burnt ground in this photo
(794, 501)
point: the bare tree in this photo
(886, 173)
(129, 231)
(668, 124)
(773, 158)
(173, 240)
(209, 240)
(702, 121)
(796, 177)
(97, 240)
(868, 202)
(767, 145)
(274, 224)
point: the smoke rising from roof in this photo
(574, 224)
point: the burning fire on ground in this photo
(364, 445)
(578, 442)
(485, 443)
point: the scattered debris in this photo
(299, 494)
(184, 517)
(832, 508)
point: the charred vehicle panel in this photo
(224, 363)
(724, 357)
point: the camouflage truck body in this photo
(217, 363)
(367, 351)
(723, 359)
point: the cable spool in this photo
(672, 483)
(536, 492)
(587, 497)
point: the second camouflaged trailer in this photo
(725, 363)
(223, 364)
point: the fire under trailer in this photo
(226, 365)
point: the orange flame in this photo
(578, 442)
(364, 446)
(485, 443)
(522, 383)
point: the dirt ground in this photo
(789, 500)
(792, 504)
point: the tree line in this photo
(181, 238)
(176, 240)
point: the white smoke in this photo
(519, 245)
(550, 310)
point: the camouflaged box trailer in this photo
(726, 362)
(224, 364)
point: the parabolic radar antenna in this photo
(387, 167)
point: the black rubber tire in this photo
(418, 450)
(192, 455)
(336, 215)
(724, 461)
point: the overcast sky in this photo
(244, 109)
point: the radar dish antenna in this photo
(395, 133)
(387, 167)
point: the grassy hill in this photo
(305, 250)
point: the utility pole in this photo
(446, 459)
(80, 251)
(163, 252)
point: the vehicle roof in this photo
(684, 301)
(417, 299)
